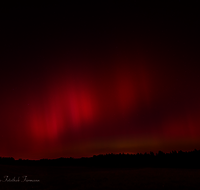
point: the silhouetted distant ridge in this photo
(173, 159)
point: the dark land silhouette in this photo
(175, 170)
(173, 159)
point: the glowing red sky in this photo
(106, 87)
(127, 107)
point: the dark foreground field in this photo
(57, 177)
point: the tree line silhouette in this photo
(173, 159)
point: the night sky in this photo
(85, 79)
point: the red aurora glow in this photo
(107, 79)
(124, 108)
(77, 102)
